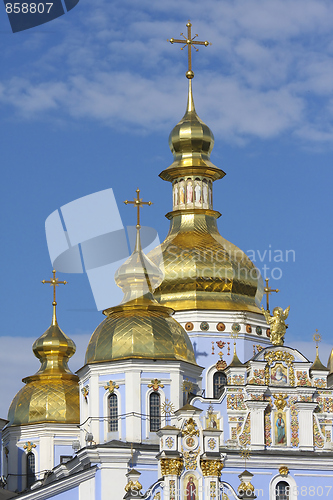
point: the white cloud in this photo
(18, 361)
(268, 71)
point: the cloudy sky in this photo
(87, 103)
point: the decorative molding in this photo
(155, 384)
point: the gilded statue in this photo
(277, 324)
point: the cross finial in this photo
(316, 337)
(54, 282)
(267, 291)
(190, 42)
(138, 203)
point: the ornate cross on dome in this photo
(54, 282)
(317, 338)
(138, 203)
(189, 41)
(267, 291)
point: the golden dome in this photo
(52, 394)
(202, 270)
(191, 142)
(139, 327)
(317, 364)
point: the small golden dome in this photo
(52, 394)
(139, 327)
(191, 142)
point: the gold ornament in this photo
(187, 386)
(283, 470)
(211, 467)
(189, 41)
(54, 282)
(138, 203)
(245, 487)
(280, 401)
(85, 392)
(111, 386)
(267, 291)
(28, 446)
(277, 324)
(167, 408)
(171, 466)
(190, 428)
(155, 384)
(317, 337)
(133, 486)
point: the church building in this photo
(189, 389)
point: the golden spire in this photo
(267, 291)
(317, 364)
(54, 282)
(190, 42)
(235, 362)
(138, 272)
(191, 140)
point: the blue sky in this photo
(87, 103)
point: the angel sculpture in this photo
(277, 324)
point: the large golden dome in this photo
(202, 270)
(52, 394)
(139, 327)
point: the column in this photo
(305, 425)
(257, 409)
(133, 406)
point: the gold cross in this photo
(267, 291)
(139, 203)
(189, 41)
(54, 282)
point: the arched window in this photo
(113, 413)
(154, 411)
(219, 381)
(282, 491)
(30, 469)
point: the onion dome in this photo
(191, 142)
(317, 364)
(139, 327)
(202, 270)
(52, 394)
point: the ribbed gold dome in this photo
(202, 269)
(139, 327)
(52, 394)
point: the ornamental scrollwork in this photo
(171, 466)
(190, 428)
(211, 467)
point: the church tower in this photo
(44, 415)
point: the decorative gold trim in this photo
(190, 428)
(283, 470)
(280, 401)
(211, 467)
(111, 386)
(171, 466)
